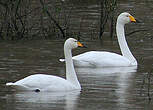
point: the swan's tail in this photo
(62, 60)
(9, 84)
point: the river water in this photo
(102, 88)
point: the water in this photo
(102, 88)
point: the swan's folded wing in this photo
(79, 63)
(83, 63)
(43, 83)
(100, 59)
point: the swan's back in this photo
(100, 59)
(43, 83)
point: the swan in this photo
(42, 82)
(109, 59)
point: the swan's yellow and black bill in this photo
(80, 44)
(132, 19)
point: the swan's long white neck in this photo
(70, 72)
(123, 44)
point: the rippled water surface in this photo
(122, 88)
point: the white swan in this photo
(41, 82)
(109, 59)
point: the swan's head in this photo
(125, 18)
(72, 43)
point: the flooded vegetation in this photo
(59, 19)
(122, 88)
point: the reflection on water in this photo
(113, 87)
(45, 100)
(107, 70)
(124, 82)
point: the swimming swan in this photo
(41, 82)
(109, 59)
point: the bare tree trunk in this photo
(58, 26)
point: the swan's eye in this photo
(127, 15)
(76, 41)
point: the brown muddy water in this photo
(102, 88)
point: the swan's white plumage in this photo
(43, 82)
(105, 59)
(109, 59)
